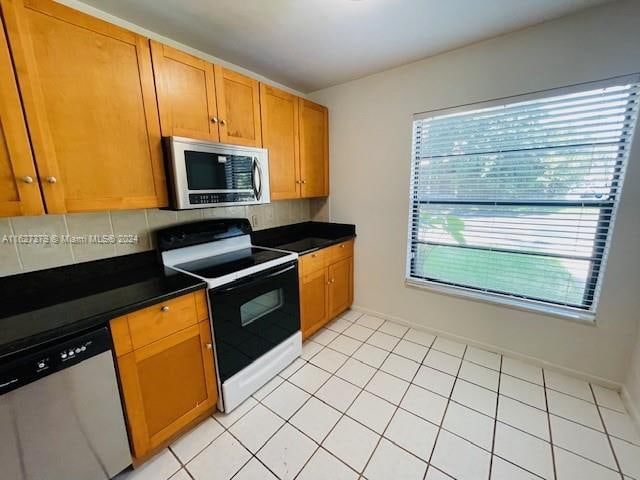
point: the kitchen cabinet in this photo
(238, 98)
(295, 131)
(314, 149)
(88, 93)
(19, 190)
(279, 112)
(186, 94)
(166, 370)
(314, 301)
(326, 285)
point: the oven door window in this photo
(213, 171)
(258, 307)
(253, 315)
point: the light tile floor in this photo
(370, 399)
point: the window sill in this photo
(567, 313)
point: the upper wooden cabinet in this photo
(279, 112)
(88, 94)
(19, 191)
(238, 99)
(186, 94)
(314, 149)
(295, 131)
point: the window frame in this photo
(598, 265)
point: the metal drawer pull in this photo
(51, 179)
(222, 122)
(214, 119)
(314, 255)
(27, 179)
(165, 308)
(209, 346)
(342, 246)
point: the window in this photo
(515, 200)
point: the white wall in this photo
(370, 146)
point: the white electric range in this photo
(253, 299)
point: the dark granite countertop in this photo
(304, 237)
(41, 306)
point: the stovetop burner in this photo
(226, 263)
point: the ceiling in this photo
(312, 44)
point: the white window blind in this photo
(518, 199)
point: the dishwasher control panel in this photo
(62, 354)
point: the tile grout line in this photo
(444, 414)
(397, 407)
(606, 432)
(546, 403)
(343, 414)
(495, 420)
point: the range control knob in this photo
(63, 355)
(78, 350)
(71, 353)
(42, 364)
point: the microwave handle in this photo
(257, 175)
(254, 279)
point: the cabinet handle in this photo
(209, 346)
(222, 122)
(165, 308)
(52, 180)
(314, 255)
(303, 181)
(27, 179)
(214, 119)
(333, 280)
(342, 246)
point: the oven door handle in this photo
(257, 178)
(248, 281)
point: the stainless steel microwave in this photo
(204, 174)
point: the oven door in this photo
(253, 315)
(209, 174)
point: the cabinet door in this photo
(167, 385)
(313, 302)
(88, 92)
(340, 286)
(186, 94)
(238, 99)
(314, 149)
(279, 115)
(19, 190)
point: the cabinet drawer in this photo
(339, 252)
(163, 319)
(312, 262)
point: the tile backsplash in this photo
(24, 257)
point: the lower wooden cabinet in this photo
(168, 383)
(326, 286)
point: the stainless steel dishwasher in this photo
(60, 413)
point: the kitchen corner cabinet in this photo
(238, 98)
(19, 191)
(186, 94)
(88, 93)
(279, 112)
(314, 149)
(166, 370)
(326, 285)
(295, 131)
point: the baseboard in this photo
(493, 348)
(632, 406)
